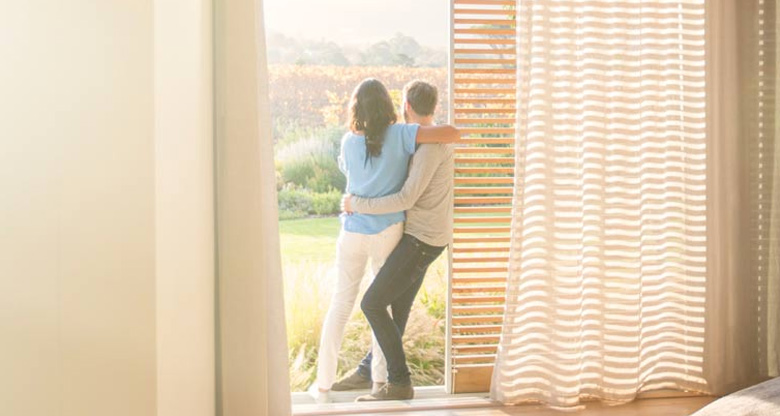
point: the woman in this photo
(374, 156)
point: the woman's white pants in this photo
(352, 255)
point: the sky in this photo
(359, 22)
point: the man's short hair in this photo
(422, 96)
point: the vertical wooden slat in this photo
(482, 90)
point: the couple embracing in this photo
(398, 215)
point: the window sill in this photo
(426, 398)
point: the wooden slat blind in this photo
(483, 65)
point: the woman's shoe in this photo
(320, 397)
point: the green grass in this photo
(309, 239)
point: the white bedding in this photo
(760, 400)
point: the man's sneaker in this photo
(390, 391)
(377, 386)
(353, 381)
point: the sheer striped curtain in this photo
(606, 291)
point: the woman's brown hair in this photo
(371, 111)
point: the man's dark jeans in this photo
(396, 286)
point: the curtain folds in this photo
(608, 264)
(252, 345)
(646, 235)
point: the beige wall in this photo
(106, 246)
(185, 207)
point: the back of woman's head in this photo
(371, 111)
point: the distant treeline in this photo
(400, 50)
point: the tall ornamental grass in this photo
(308, 288)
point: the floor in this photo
(645, 407)
(433, 402)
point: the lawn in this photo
(308, 254)
(309, 239)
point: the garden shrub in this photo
(326, 203)
(296, 203)
(287, 132)
(312, 163)
(291, 215)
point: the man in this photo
(427, 199)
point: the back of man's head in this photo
(422, 97)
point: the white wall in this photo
(106, 245)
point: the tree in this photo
(400, 50)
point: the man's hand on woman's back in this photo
(346, 204)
